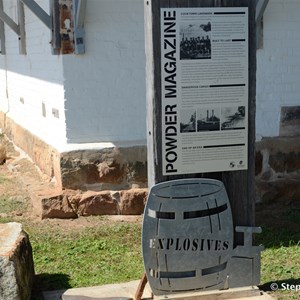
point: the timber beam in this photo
(260, 9)
(39, 12)
(2, 32)
(18, 28)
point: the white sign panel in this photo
(204, 77)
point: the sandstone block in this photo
(97, 203)
(111, 172)
(277, 169)
(16, 263)
(132, 202)
(281, 189)
(57, 206)
(107, 169)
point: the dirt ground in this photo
(19, 178)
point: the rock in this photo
(79, 176)
(2, 154)
(132, 202)
(277, 169)
(111, 172)
(16, 263)
(281, 189)
(107, 168)
(57, 206)
(71, 204)
(97, 203)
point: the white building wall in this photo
(100, 96)
(29, 80)
(278, 65)
(105, 87)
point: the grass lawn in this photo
(100, 250)
(107, 252)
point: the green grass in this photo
(280, 261)
(110, 252)
(88, 257)
(92, 257)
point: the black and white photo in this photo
(195, 41)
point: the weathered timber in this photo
(239, 184)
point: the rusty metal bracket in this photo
(141, 287)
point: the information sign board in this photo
(204, 83)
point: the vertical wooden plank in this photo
(21, 21)
(2, 32)
(239, 184)
(56, 40)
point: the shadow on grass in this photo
(280, 224)
(48, 282)
(275, 238)
(289, 284)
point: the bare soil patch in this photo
(19, 178)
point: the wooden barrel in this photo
(187, 236)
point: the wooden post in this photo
(239, 184)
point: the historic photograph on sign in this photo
(187, 120)
(204, 80)
(208, 119)
(195, 41)
(233, 118)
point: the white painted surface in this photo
(105, 88)
(100, 96)
(29, 80)
(278, 65)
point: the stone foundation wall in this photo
(277, 168)
(114, 180)
(115, 168)
(105, 169)
(46, 157)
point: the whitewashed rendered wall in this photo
(105, 88)
(29, 80)
(278, 65)
(104, 96)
